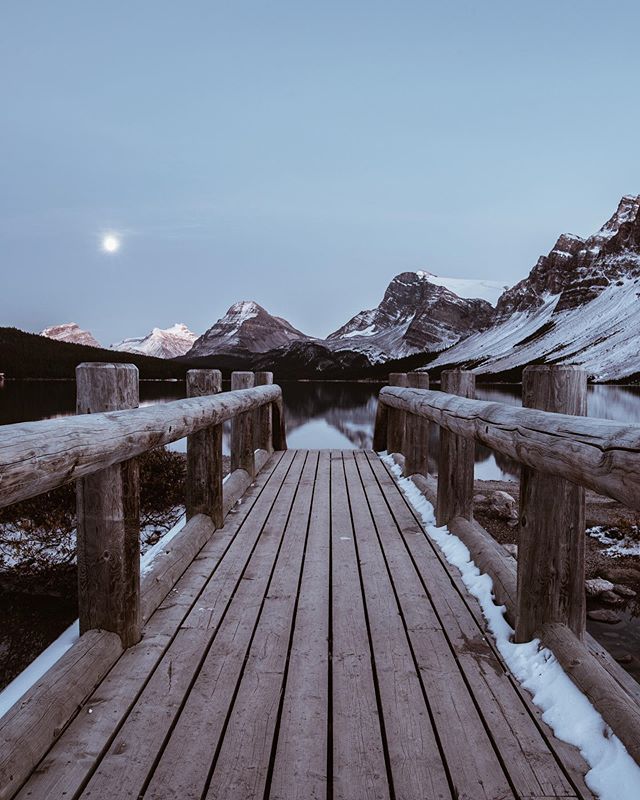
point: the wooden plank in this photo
(126, 767)
(456, 461)
(242, 764)
(204, 454)
(70, 762)
(242, 428)
(415, 759)
(474, 766)
(396, 418)
(599, 454)
(416, 445)
(358, 752)
(184, 764)
(551, 538)
(38, 456)
(36, 720)
(108, 511)
(533, 759)
(300, 765)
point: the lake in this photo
(318, 414)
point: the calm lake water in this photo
(318, 414)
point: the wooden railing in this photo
(561, 452)
(98, 449)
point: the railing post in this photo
(552, 518)
(416, 436)
(242, 456)
(396, 418)
(108, 507)
(456, 462)
(263, 421)
(204, 454)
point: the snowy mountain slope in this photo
(469, 288)
(579, 305)
(161, 342)
(418, 313)
(70, 332)
(245, 328)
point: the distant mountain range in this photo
(579, 304)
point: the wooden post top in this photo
(106, 387)
(201, 382)
(558, 388)
(398, 379)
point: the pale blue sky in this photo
(298, 153)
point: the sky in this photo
(299, 154)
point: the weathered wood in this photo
(204, 454)
(31, 726)
(599, 454)
(244, 759)
(38, 456)
(551, 541)
(456, 462)
(300, 763)
(380, 428)
(108, 509)
(70, 762)
(396, 418)
(416, 441)
(278, 425)
(242, 428)
(263, 420)
(358, 748)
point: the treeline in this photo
(28, 355)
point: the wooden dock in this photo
(317, 645)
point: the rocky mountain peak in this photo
(160, 342)
(70, 332)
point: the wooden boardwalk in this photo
(317, 647)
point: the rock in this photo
(621, 574)
(625, 658)
(623, 591)
(604, 615)
(611, 599)
(512, 549)
(503, 505)
(479, 499)
(596, 586)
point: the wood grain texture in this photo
(551, 537)
(456, 461)
(204, 454)
(108, 512)
(263, 418)
(396, 418)
(31, 726)
(416, 443)
(38, 456)
(380, 428)
(599, 454)
(242, 427)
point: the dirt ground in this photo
(600, 511)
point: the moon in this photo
(110, 243)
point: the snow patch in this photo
(627, 546)
(613, 774)
(468, 288)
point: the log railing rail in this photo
(561, 452)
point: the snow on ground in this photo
(626, 546)
(469, 288)
(613, 774)
(32, 674)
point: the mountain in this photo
(578, 305)
(244, 330)
(70, 332)
(161, 342)
(419, 313)
(28, 355)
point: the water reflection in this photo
(318, 414)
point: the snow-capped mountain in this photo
(579, 305)
(70, 332)
(246, 328)
(161, 342)
(419, 313)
